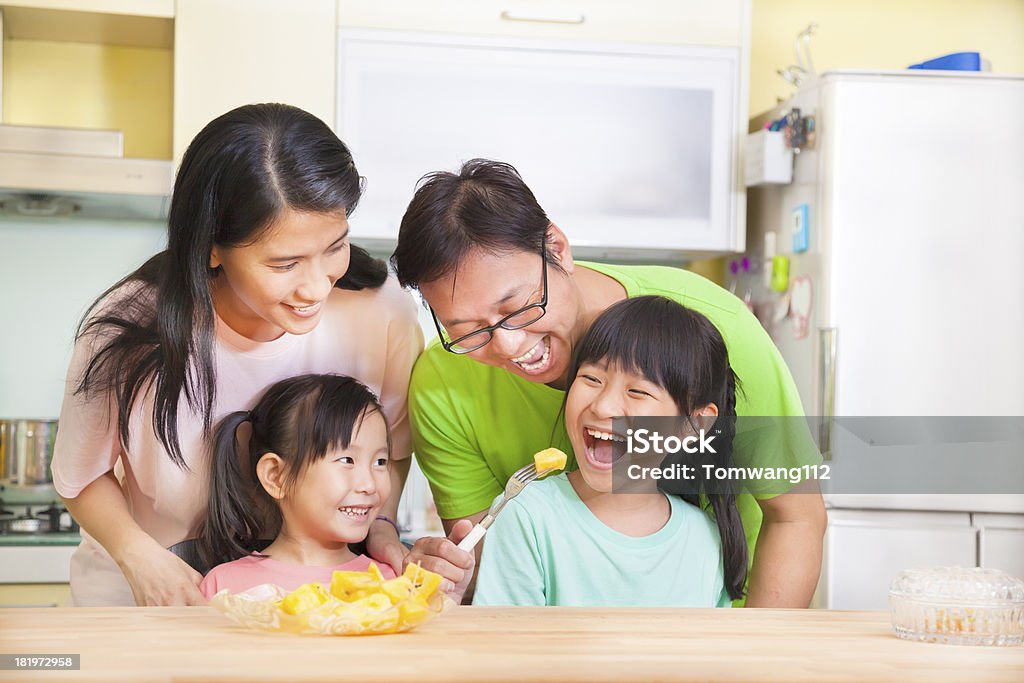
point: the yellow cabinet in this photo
(141, 8)
(35, 595)
(228, 54)
(91, 64)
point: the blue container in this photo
(957, 61)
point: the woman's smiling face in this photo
(280, 282)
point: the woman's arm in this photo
(787, 559)
(156, 576)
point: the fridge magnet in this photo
(800, 298)
(800, 229)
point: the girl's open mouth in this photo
(603, 447)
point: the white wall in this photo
(50, 271)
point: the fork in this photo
(516, 483)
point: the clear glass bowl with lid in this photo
(958, 606)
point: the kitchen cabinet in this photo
(35, 574)
(98, 65)
(1001, 542)
(864, 549)
(695, 22)
(629, 148)
(130, 23)
(35, 595)
(228, 54)
(148, 8)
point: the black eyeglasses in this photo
(525, 316)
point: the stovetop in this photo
(35, 516)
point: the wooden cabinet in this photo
(694, 22)
(228, 54)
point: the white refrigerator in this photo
(906, 297)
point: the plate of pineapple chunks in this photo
(355, 603)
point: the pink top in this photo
(373, 335)
(244, 573)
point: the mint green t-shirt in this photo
(475, 424)
(547, 548)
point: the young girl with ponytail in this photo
(571, 539)
(316, 475)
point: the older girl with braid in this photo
(572, 539)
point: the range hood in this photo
(56, 172)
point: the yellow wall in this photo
(879, 34)
(92, 86)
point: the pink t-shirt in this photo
(244, 573)
(373, 335)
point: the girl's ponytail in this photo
(233, 520)
(723, 503)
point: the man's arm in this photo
(787, 559)
(475, 519)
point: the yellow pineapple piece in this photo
(378, 602)
(304, 598)
(351, 586)
(549, 460)
(375, 572)
(412, 612)
(366, 602)
(425, 582)
(398, 589)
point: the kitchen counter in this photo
(502, 644)
(72, 538)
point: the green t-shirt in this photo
(547, 548)
(475, 424)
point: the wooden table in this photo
(502, 644)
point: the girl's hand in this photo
(442, 556)
(160, 578)
(384, 545)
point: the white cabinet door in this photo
(1001, 542)
(865, 549)
(625, 147)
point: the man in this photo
(509, 303)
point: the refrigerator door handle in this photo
(826, 389)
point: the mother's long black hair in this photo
(681, 351)
(239, 174)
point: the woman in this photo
(510, 304)
(259, 282)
